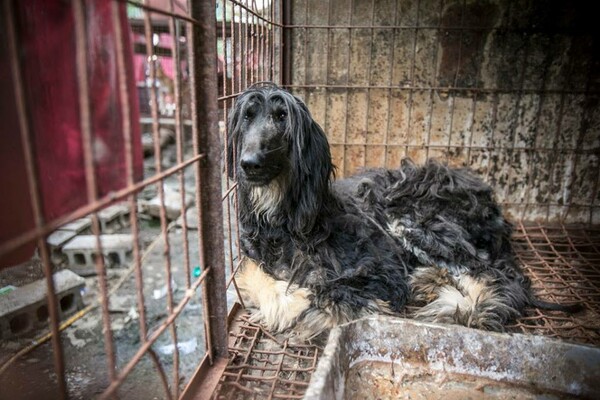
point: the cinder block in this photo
(56, 240)
(114, 217)
(172, 203)
(26, 309)
(116, 249)
(59, 237)
(78, 226)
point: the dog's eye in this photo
(248, 115)
(281, 116)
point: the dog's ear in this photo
(312, 168)
(233, 134)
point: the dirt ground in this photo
(32, 376)
(83, 341)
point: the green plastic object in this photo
(197, 271)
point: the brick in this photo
(26, 309)
(82, 251)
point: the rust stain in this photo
(462, 49)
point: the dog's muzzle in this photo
(258, 169)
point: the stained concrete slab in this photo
(387, 357)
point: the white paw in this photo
(279, 304)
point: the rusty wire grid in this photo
(507, 89)
(168, 36)
(563, 263)
(495, 87)
(249, 34)
(262, 366)
(386, 79)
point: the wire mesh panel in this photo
(134, 104)
(119, 138)
(507, 88)
(249, 45)
(564, 265)
(262, 366)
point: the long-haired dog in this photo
(320, 253)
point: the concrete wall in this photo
(509, 88)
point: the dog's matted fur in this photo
(321, 253)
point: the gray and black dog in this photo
(321, 252)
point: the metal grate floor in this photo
(564, 265)
(263, 367)
(562, 261)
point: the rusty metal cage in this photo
(508, 88)
(170, 284)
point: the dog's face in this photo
(279, 156)
(261, 141)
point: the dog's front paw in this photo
(279, 304)
(256, 317)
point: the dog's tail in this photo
(463, 300)
(549, 306)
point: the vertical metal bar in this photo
(225, 64)
(225, 138)
(241, 59)
(235, 49)
(92, 190)
(263, 47)
(386, 146)
(327, 55)
(148, 31)
(345, 140)
(467, 160)
(272, 46)
(252, 49)
(36, 200)
(412, 77)
(232, 33)
(227, 199)
(258, 36)
(259, 47)
(286, 57)
(476, 93)
(495, 100)
(245, 52)
(127, 138)
(369, 83)
(595, 194)
(174, 29)
(208, 171)
(434, 83)
(455, 81)
(270, 28)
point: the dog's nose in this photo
(251, 163)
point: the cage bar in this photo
(33, 184)
(386, 79)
